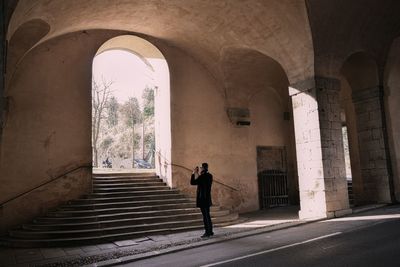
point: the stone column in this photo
(319, 148)
(374, 153)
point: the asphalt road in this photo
(367, 239)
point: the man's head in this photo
(204, 166)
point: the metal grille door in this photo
(273, 189)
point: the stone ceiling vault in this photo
(278, 29)
(301, 35)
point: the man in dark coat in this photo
(203, 200)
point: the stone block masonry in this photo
(319, 148)
(374, 165)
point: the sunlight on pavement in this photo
(365, 218)
(259, 223)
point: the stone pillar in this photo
(319, 148)
(375, 168)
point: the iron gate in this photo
(273, 189)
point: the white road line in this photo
(271, 250)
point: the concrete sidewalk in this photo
(117, 252)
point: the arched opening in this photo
(130, 107)
(258, 84)
(361, 100)
(361, 71)
(350, 143)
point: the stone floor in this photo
(129, 250)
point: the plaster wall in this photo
(270, 128)
(202, 132)
(47, 129)
(41, 200)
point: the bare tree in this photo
(148, 117)
(133, 115)
(112, 112)
(100, 96)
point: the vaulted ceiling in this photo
(279, 29)
(306, 37)
(343, 27)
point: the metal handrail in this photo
(186, 168)
(45, 183)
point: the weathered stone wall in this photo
(372, 146)
(319, 148)
(332, 145)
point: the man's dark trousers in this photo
(207, 220)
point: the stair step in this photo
(123, 199)
(125, 215)
(122, 204)
(94, 212)
(97, 212)
(129, 185)
(58, 242)
(122, 215)
(104, 231)
(122, 177)
(228, 218)
(128, 189)
(132, 193)
(113, 223)
(125, 181)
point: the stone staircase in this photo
(122, 206)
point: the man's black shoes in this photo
(206, 235)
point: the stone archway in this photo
(361, 72)
(256, 85)
(157, 65)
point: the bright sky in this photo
(129, 73)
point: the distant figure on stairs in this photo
(107, 163)
(203, 199)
